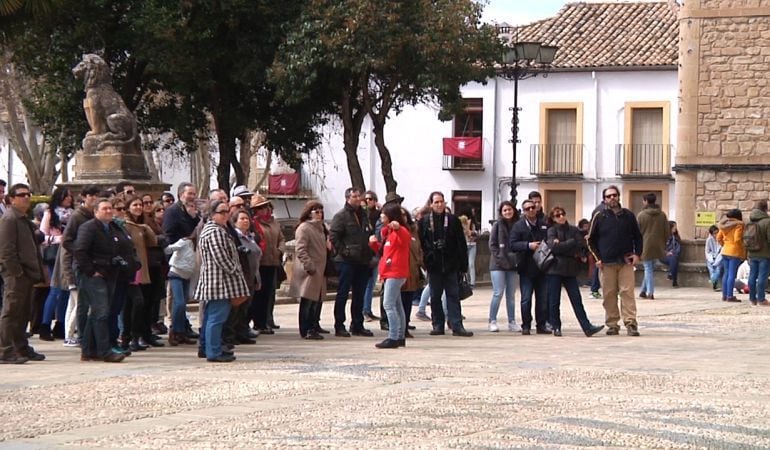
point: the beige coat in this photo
(308, 280)
(143, 237)
(274, 242)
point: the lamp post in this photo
(523, 60)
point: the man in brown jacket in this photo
(21, 267)
(653, 224)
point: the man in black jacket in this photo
(349, 233)
(445, 254)
(99, 261)
(527, 235)
(616, 242)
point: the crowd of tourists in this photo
(104, 271)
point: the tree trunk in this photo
(200, 164)
(352, 120)
(387, 161)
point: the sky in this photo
(517, 12)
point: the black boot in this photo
(58, 330)
(45, 332)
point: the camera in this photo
(244, 249)
(118, 261)
(439, 244)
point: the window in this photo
(468, 203)
(646, 149)
(560, 151)
(468, 123)
(632, 198)
(566, 195)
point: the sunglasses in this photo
(160, 210)
(369, 199)
(168, 200)
(317, 210)
(225, 211)
(558, 215)
(130, 192)
(22, 194)
(611, 196)
(119, 208)
(529, 208)
(148, 202)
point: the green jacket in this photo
(653, 224)
(757, 215)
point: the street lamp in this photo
(523, 60)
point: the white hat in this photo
(240, 191)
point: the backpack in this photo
(752, 237)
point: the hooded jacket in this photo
(761, 217)
(730, 237)
(653, 224)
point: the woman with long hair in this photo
(249, 254)
(137, 334)
(308, 281)
(503, 274)
(52, 226)
(570, 253)
(394, 270)
(730, 237)
(416, 280)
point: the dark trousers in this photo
(406, 299)
(37, 307)
(595, 283)
(351, 277)
(237, 325)
(95, 295)
(672, 261)
(118, 299)
(309, 315)
(555, 282)
(14, 316)
(134, 313)
(536, 285)
(260, 307)
(154, 292)
(448, 282)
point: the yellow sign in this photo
(705, 218)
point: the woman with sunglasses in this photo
(308, 281)
(570, 253)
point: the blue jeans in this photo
(555, 282)
(648, 283)
(729, 271)
(115, 321)
(439, 284)
(355, 277)
(760, 269)
(180, 290)
(94, 300)
(715, 271)
(596, 283)
(536, 285)
(672, 261)
(370, 290)
(55, 304)
(503, 281)
(394, 308)
(214, 316)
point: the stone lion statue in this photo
(112, 123)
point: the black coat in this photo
(96, 249)
(612, 236)
(521, 235)
(571, 247)
(177, 223)
(443, 244)
(349, 233)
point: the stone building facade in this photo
(723, 150)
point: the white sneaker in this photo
(513, 326)
(71, 343)
(493, 326)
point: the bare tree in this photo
(25, 136)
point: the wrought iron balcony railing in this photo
(643, 160)
(557, 160)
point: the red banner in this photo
(286, 184)
(463, 147)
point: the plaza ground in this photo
(696, 378)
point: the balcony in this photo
(643, 160)
(463, 153)
(556, 160)
(286, 187)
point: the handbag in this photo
(50, 253)
(465, 289)
(330, 270)
(543, 257)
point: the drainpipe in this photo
(495, 149)
(597, 138)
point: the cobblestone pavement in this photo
(696, 378)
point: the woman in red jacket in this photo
(394, 270)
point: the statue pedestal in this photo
(110, 163)
(142, 187)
